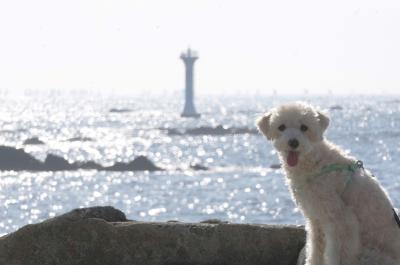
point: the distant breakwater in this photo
(17, 159)
(218, 130)
(208, 130)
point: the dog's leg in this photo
(315, 244)
(332, 247)
(339, 225)
(342, 240)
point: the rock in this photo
(17, 159)
(275, 166)
(219, 130)
(80, 139)
(115, 110)
(77, 238)
(56, 163)
(89, 165)
(140, 163)
(336, 107)
(244, 131)
(107, 213)
(33, 141)
(173, 132)
(198, 167)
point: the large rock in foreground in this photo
(83, 237)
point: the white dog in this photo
(350, 219)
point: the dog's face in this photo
(294, 129)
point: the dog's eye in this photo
(303, 128)
(282, 127)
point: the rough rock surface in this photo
(84, 237)
(107, 213)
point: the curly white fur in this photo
(347, 222)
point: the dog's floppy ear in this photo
(323, 120)
(263, 124)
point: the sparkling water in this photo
(240, 186)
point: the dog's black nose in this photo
(293, 143)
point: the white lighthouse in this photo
(188, 59)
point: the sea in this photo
(241, 185)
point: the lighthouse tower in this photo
(188, 59)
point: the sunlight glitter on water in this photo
(239, 187)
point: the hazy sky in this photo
(288, 46)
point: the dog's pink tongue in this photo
(292, 158)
